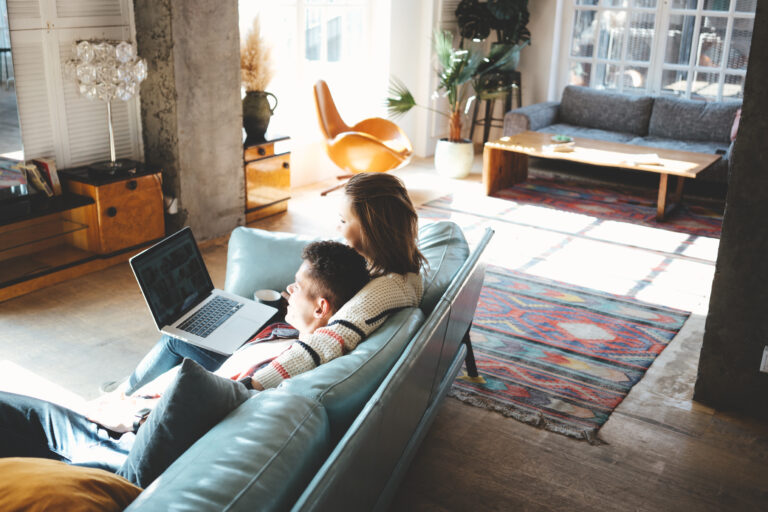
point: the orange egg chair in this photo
(372, 145)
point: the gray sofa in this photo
(652, 121)
(339, 437)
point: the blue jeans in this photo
(167, 353)
(30, 427)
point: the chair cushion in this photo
(258, 259)
(260, 457)
(611, 111)
(34, 485)
(194, 402)
(345, 384)
(446, 249)
(676, 118)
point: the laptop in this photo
(181, 297)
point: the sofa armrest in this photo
(532, 117)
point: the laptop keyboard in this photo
(209, 317)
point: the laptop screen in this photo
(172, 276)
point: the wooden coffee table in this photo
(505, 161)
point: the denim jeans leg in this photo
(30, 427)
(167, 353)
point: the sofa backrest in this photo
(616, 112)
(263, 454)
(345, 384)
(258, 259)
(677, 118)
(446, 250)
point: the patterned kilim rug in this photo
(559, 356)
(601, 201)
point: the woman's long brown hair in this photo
(388, 222)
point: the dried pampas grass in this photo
(255, 60)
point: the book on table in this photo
(37, 178)
(48, 167)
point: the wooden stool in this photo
(500, 87)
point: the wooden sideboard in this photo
(267, 178)
(99, 221)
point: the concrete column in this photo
(737, 326)
(191, 110)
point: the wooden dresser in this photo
(99, 221)
(267, 177)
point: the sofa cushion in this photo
(676, 118)
(446, 249)
(588, 133)
(611, 111)
(194, 402)
(260, 457)
(345, 384)
(258, 259)
(37, 485)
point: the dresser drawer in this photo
(267, 181)
(129, 212)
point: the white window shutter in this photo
(37, 132)
(55, 120)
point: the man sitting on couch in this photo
(331, 273)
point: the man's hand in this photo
(251, 383)
(117, 413)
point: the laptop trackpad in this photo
(233, 331)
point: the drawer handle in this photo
(131, 185)
(261, 151)
(286, 165)
(111, 211)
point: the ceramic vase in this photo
(454, 159)
(257, 112)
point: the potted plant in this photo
(456, 68)
(255, 74)
(507, 18)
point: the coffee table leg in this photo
(678, 197)
(661, 203)
(502, 169)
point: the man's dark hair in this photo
(337, 270)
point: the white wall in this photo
(410, 61)
(536, 59)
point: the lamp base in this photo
(120, 167)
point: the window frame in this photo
(663, 13)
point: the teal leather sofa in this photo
(341, 436)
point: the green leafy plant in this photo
(456, 69)
(508, 18)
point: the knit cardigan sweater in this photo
(356, 319)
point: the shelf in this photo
(41, 206)
(38, 232)
(20, 268)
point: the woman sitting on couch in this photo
(379, 221)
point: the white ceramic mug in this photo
(268, 297)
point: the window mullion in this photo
(656, 63)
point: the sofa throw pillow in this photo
(615, 112)
(682, 119)
(194, 403)
(33, 485)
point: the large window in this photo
(690, 48)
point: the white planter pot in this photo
(454, 159)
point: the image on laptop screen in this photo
(173, 277)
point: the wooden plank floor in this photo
(662, 452)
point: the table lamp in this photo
(107, 70)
